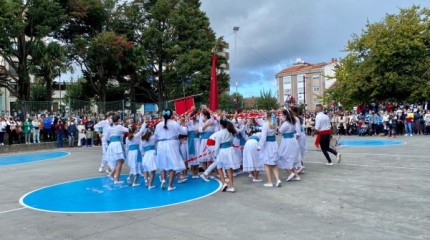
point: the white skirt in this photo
(251, 157)
(303, 145)
(134, 162)
(269, 153)
(115, 152)
(238, 150)
(148, 161)
(168, 156)
(204, 152)
(227, 159)
(196, 154)
(289, 154)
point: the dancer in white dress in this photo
(193, 143)
(148, 160)
(268, 147)
(206, 129)
(302, 139)
(115, 153)
(168, 156)
(251, 157)
(289, 150)
(239, 139)
(101, 128)
(134, 155)
(224, 154)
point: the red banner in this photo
(182, 105)
(213, 94)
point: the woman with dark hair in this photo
(302, 138)
(206, 129)
(193, 142)
(268, 148)
(289, 150)
(115, 152)
(224, 154)
(168, 155)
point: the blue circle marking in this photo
(100, 195)
(30, 157)
(370, 142)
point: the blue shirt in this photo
(47, 123)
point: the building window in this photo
(287, 82)
(300, 80)
(316, 77)
(316, 89)
(317, 101)
(287, 91)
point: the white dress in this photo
(203, 148)
(134, 155)
(289, 150)
(268, 149)
(251, 156)
(148, 152)
(168, 156)
(302, 142)
(239, 140)
(193, 142)
(225, 155)
(115, 150)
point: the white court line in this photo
(12, 210)
(387, 155)
(372, 166)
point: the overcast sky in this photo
(273, 33)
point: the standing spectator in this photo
(427, 122)
(36, 130)
(60, 129)
(27, 127)
(81, 135)
(3, 125)
(11, 130)
(72, 131)
(409, 119)
(19, 126)
(47, 125)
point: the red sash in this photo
(317, 140)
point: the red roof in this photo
(300, 68)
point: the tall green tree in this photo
(22, 23)
(267, 100)
(388, 61)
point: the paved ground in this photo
(376, 193)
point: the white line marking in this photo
(12, 210)
(387, 155)
(373, 166)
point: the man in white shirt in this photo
(323, 127)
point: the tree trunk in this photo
(48, 82)
(161, 96)
(23, 75)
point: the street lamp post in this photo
(235, 30)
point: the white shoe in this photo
(118, 182)
(135, 185)
(163, 184)
(107, 171)
(268, 185)
(255, 180)
(235, 174)
(182, 180)
(171, 188)
(232, 190)
(290, 177)
(202, 176)
(406, 135)
(410, 135)
(296, 179)
(339, 157)
(278, 183)
(224, 187)
(329, 164)
(151, 187)
(128, 180)
(100, 170)
(195, 177)
(251, 176)
(300, 170)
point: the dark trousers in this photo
(2, 137)
(60, 140)
(46, 134)
(325, 147)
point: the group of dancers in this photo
(231, 144)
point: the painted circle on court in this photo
(31, 157)
(100, 195)
(370, 142)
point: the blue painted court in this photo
(370, 142)
(30, 157)
(98, 195)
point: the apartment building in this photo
(305, 83)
